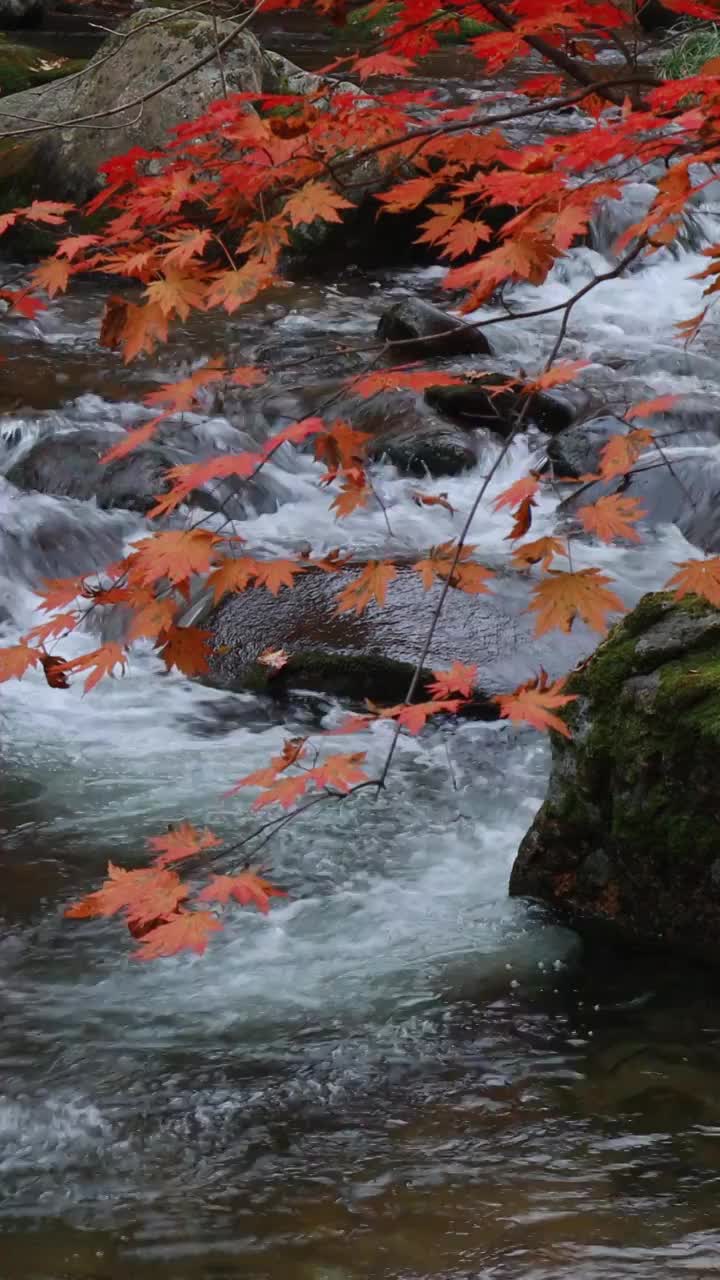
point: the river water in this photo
(399, 1072)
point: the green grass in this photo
(688, 51)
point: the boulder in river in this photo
(69, 465)
(373, 654)
(475, 406)
(147, 52)
(680, 489)
(629, 836)
(426, 331)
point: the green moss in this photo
(356, 676)
(22, 67)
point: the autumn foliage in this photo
(208, 227)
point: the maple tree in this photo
(207, 227)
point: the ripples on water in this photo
(400, 1073)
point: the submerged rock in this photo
(437, 333)
(373, 654)
(629, 835)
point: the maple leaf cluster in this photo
(207, 226)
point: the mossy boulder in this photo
(629, 834)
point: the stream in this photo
(399, 1073)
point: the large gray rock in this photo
(683, 490)
(149, 50)
(373, 654)
(628, 836)
(69, 466)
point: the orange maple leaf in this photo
(697, 577)
(231, 289)
(369, 384)
(275, 574)
(151, 618)
(340, 771)
(100, 662)
(246, 887)
(175, 555)
(518, 492)
(534, 703)
(563, 596)
(541, 551)
(247, 375)
(149, 893)
(52, 275)
(186, 649)
(284, 791)
(612, 517)
(459, 678)
(177, 397)
(466, 575)
(182, 841)
(371, 584)
(16, 660)
(354, 493)
(177, 293)
(621, 453)
(415, 716)
(56, 626)
(315, 200)
(133, 438)
(646, 408)
(187, 931)
(560, 373)
(232, 574)
(53, 212)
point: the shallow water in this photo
(399, 1073)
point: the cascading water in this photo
(396, 1073)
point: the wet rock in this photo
(576, 452)
(69, 466)
(473, 406)
(685, 493)
(373, 654)
(628, 835)
(21, 13)
(429, 447)
(416, 319)
(64, 163)
(653, 16)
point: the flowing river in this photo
(399, 1072)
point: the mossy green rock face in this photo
(21, 67)
(629, 834)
